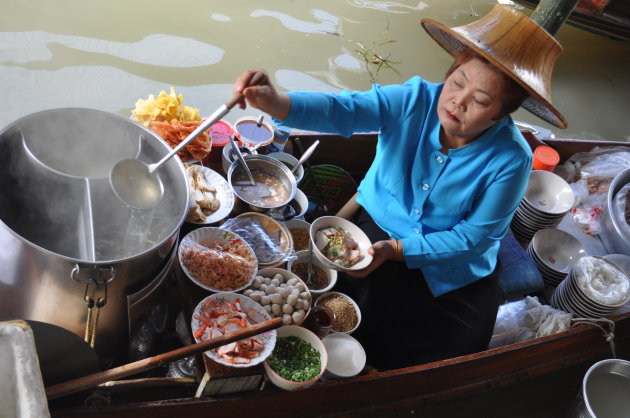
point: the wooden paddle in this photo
(349, 208)
(86, 382)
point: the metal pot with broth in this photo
(274, 186)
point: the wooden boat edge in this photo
(404, 388)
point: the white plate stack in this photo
(554, 251)
(547, 199)
(594, 288)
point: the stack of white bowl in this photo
(547, 199)
(554, 251)
(594, 288)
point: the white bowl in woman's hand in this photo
(340, 244)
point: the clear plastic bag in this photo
(266, 246)
(590, 174)
(222, 266)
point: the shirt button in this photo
(417, 231)
(439, 159)
(417, 211)
(425, 187)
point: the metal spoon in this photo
(310, 262)
(238, 153)
(138, 184)
(305, 156)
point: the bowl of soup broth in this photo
(274, 184)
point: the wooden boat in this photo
(540, 376)
(609, 18)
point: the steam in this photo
(56, 190)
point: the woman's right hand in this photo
(262, 95)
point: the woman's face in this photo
(472, 97)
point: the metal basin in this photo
(613, 237)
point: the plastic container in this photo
(252, 134)
(545, 158)
(220, 133)
(280, 138)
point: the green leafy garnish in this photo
(295, 359)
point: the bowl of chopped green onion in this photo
(298, 359)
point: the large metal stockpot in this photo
(70, 250)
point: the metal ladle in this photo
(305, 156)
(138, 184)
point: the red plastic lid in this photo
(220, 133)
(546, 155)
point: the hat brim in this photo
(453, 42)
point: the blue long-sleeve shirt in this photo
(450, 211)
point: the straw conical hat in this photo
(517, 46)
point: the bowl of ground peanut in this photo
(347, 312)
(299, 230)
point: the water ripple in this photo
(156, 49)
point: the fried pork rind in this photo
(164, 107)
(174, 132)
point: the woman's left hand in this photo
(380, 251)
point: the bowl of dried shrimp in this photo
(227, 312)
(217, 260)
(282, 294)
(340, 244)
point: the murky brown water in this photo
(106, 55)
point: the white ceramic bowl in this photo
(302, 257)
(301, 225)
(290, 161)
(226, 160)
(314, 341)
(549, 192)
(320, 301)
(299, 203)
(258, 291)
(346, 356)
(247, 305)
(357, 235)
(210, 235)
(557, 249)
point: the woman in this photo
(449, 172)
